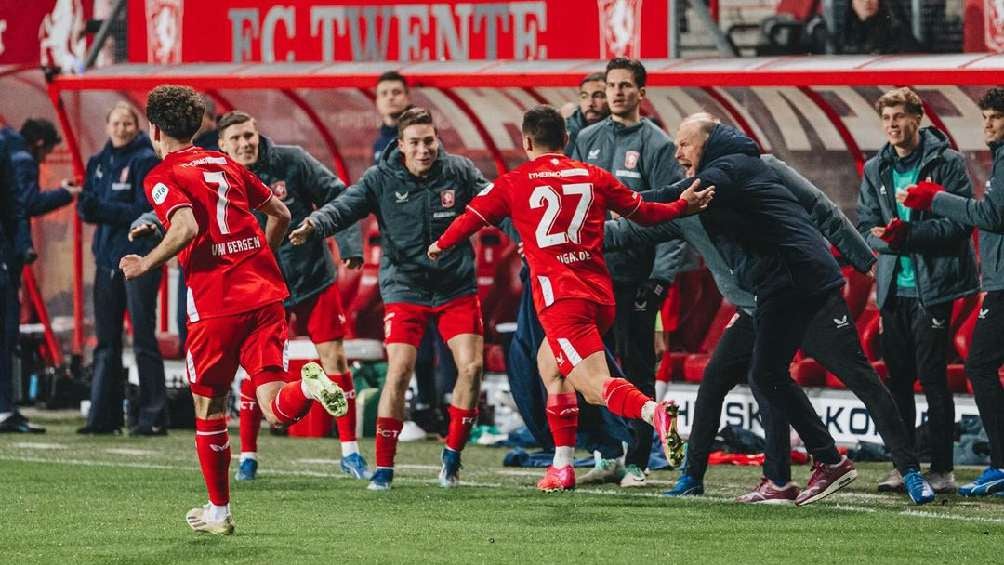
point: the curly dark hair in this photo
(176, 110)
(40, 129)
(993, 100)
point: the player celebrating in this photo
(415, 191)
(235, 313)
(558, 205)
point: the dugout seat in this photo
(695, 363)
(364, 310)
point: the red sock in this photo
(290, 404)
(563, 418)
(387, 430)
(347, 423)
(461, 422)
(623, 398)
(250, 417)
(212, 443)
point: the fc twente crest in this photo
(279, 189)
(448, 198)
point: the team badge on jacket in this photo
(279, 189)
(448, 198)
(631, 159)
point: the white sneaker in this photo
(411, 432)
(607, 471)
(321, 389)
(197, 520)
(942, 483)
(633, 477)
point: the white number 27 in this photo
(548, 196)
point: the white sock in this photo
(216, 513)
(563, 456)
(5, 415)
(648, 412)
(349, 447)
(660, 390)
(249, 455)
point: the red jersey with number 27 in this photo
(229, 267)
(558, 206)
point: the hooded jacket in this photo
(825, 215)
(304, 184)
(642, 157)
(113, 197)
(412, 212)
(987, 215)
(15, 236)
(940, 247)
(761, 228)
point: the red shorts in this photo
(404, 322)
(320, 317)
(574, 329)
(255, 340)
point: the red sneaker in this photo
(557, 479)
(769, 493)
(664, 422)
(826, 480)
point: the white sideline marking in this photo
(704, 499)
(130, 452)
(38, 445)
(318, 461)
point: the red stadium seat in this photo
(693, 365)
(365, 310)
(857, 291)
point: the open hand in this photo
(300, 235)
(132, 266)
(697, 200)
(141, 231)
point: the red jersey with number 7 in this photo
(229, 267)
(558, 206)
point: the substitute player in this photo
(558, 206)
(235, 314)
(415, 191)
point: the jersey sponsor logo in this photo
(593, 154)
(841, 322)
(448, 198)
(628, 174)
(631, 159)
(400, 197)
(206, 161)
(279, 189)
(159, 193)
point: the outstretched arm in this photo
(183, 230)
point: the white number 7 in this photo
(222, 187)
(546, 195)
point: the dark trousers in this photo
(915, 344)
(780, 323)
(832, 340)
(634, 346)
(113, 295)
(10, 311)
(986, 355)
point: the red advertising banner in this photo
(184, 31)
(28, 27)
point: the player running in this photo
(558, 207)
(235, 313)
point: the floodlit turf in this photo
(72, 499)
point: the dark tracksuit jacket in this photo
(830, 340)
(412, 213)
(915, 338)
(986, 354)
(304, 184)
(14, 244)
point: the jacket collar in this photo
(141, 141)
(726, 140)
(933, 144)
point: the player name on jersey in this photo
(573, 257)
(236, 246)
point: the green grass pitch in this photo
(70, 499)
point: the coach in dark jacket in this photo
(925, 263)
(832, 339)
(112, 198)
(782, 259)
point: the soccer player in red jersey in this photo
(558, 207)
(235, 313)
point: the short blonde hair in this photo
(905, 97)
(125, 106)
